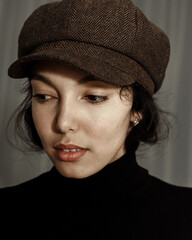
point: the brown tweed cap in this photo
(110, 39)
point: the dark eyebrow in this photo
(38, 76)
(87, 79)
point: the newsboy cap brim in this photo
(100, 62)
(110, 39)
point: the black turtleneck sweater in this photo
(121, 202)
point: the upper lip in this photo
(67, 146)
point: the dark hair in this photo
(24, 128)
(153, 126)
(149, 129)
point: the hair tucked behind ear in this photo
(153, 126)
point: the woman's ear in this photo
(136, 117)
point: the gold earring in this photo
(136, 122)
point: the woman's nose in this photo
(66, 119)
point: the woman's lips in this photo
(69, 152)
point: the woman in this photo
(93, 67)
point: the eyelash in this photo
(42, 97)
(93, 99)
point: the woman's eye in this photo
(95, 98)
(42, 97)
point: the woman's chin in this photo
(73, 170)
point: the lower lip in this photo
(70, 156)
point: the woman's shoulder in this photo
(28, 199)
(163, 186)
(35, 184)
(26, 205)
(175, 196)
(155, 188)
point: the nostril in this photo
(65, 123)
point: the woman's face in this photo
(82, 123)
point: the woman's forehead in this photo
(46, 71)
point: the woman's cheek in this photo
(42, 118)
(114, 123)
(102, 125)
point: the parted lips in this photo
(110, 39)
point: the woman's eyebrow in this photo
(96, 82)
(38, 76)
(87, 79)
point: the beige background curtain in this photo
(170, 161)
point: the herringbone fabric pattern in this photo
(111, 39)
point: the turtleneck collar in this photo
(117, 176)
